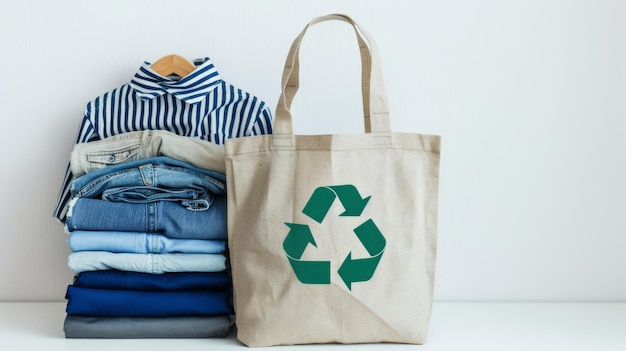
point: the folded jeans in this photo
(169, 219)
(130, 303)
(140, 242)
(147, 327)
(153, 179)
(130, 146)
(121, 280)
(83, 261)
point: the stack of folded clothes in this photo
(148, 241)
(147, 220)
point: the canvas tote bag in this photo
(332, 238)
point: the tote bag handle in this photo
(375, 104)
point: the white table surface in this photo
(454, 326)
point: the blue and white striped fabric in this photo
(199, 105)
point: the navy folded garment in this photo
(129, 303)
(121, 280)
(147, 327)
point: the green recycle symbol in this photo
(300, 236)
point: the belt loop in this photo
(145, 137)
(148, 175)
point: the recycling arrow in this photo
(300, 236)
(323, 197)
(308, 272)
(361, 270)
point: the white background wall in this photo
(529, 97)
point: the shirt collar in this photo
(191, 88)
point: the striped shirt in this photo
(199, 105)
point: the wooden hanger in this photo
(173, 64)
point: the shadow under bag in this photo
(333, 237)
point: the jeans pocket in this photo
(113, 157)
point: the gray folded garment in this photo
(147, 327)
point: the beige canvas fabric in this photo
(333, 237)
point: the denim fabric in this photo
(147, 327)
(129, 303)
(164, 217)
(141, 243)
(145, 263)
(125, 147)
(152, 179)
(120, 280)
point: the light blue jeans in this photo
(152, 179)
(141, 243)
(145, 263)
